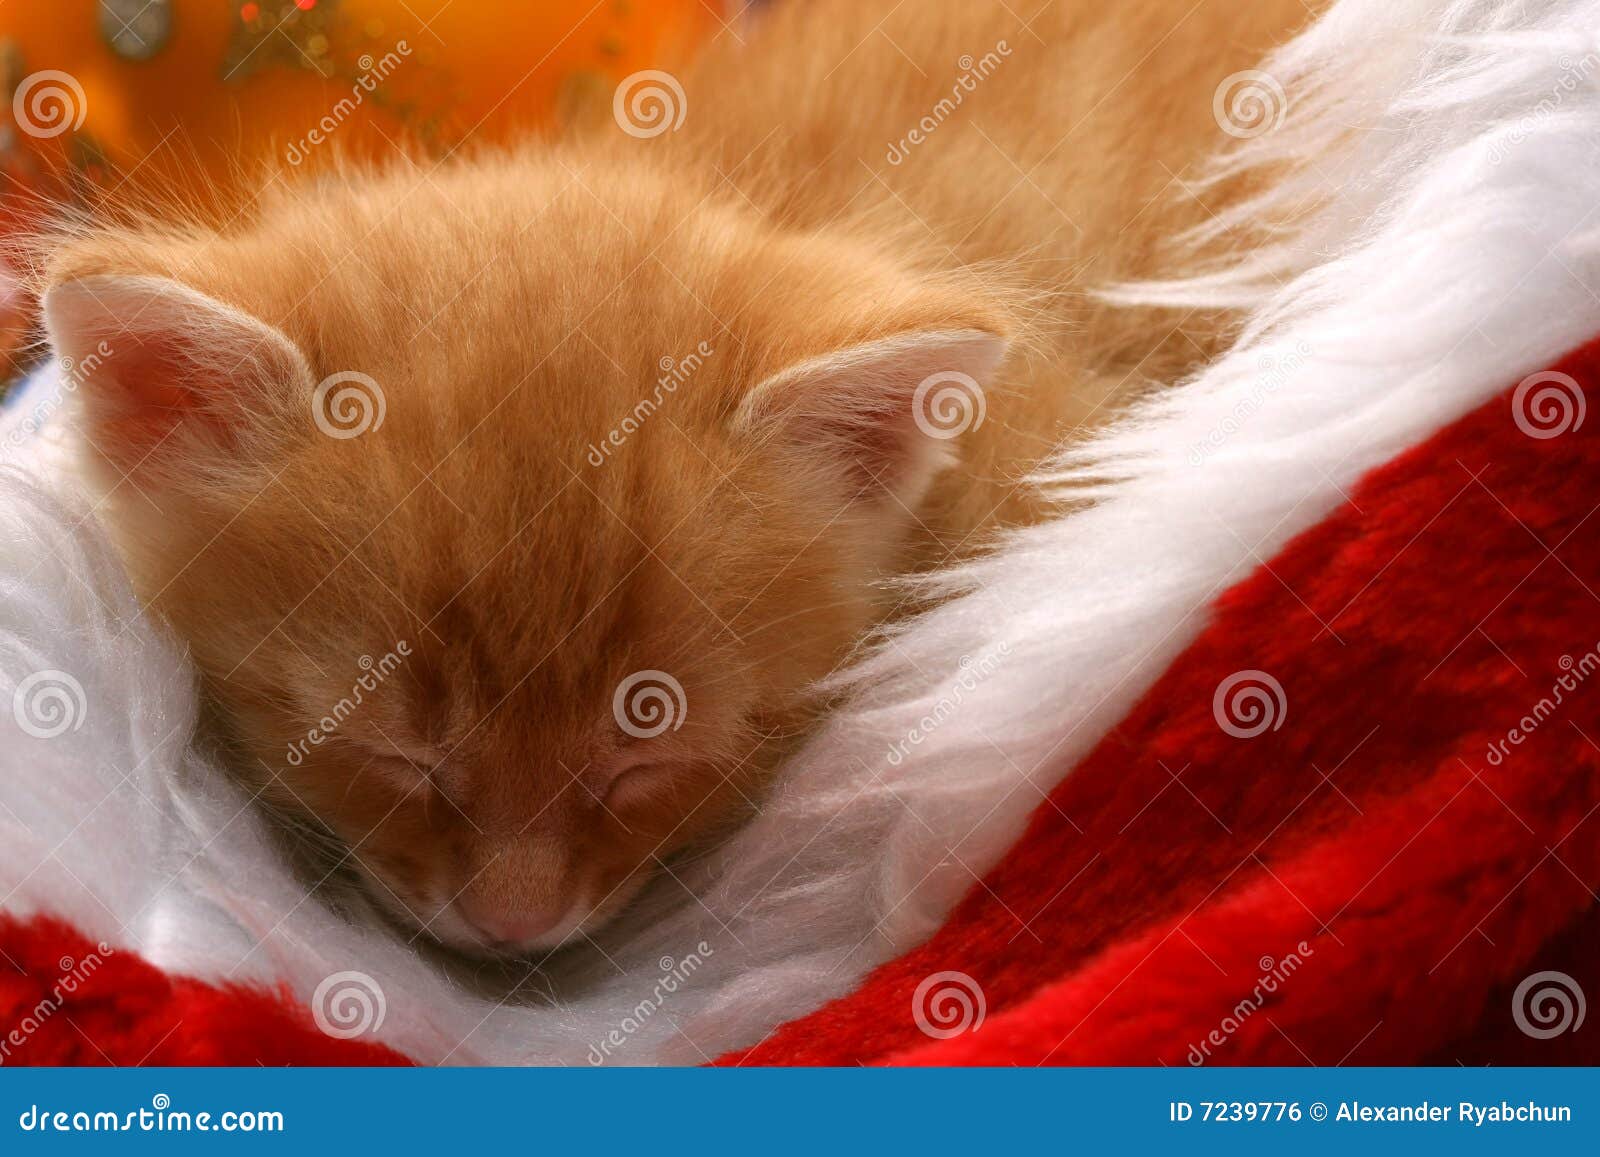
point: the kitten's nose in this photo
(507, 926)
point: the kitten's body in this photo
(534, 534)
(1059, 165)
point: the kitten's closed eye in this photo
(633, 778)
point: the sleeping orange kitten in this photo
(512, 509)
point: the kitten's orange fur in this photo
(514, 309)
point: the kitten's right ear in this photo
(876, 416)
(167, 373)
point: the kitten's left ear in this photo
(880, 414)
(169, 376)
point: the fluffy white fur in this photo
(1454, 251)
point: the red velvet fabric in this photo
(67, 1001)
(1179, 866)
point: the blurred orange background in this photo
(132, 95)
(229, 78)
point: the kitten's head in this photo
(510, 513)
